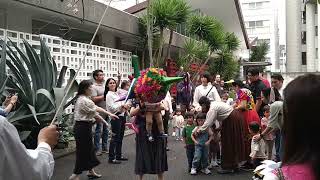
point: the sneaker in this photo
(214, 164)
(206, 171)
(150, 139)
(99, 153)
(193, 171)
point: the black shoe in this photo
(122, 159)
(114, 161)
(167, 149)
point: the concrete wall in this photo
(93, 11)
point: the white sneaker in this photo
(193, 171)
(206, 171)
(214, 164)
(74, 177)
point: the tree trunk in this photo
(169, 45)
(160, 48)
(143, 58)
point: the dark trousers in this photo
(166, 118)
(257, 161)
(190, 154)
(277, 144)
(117, 128)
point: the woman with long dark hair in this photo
(85, 114)
(117, 126)
(232, 132)
(300, 129)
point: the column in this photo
(311, 35)
(293, 35)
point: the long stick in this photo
(80, 66)
(149, 32)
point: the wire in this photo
(80, 66)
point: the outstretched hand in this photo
(49, 135)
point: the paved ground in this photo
(125, 171)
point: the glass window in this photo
(252, 5)
(252, 24)
(304, 58)
(259, 23)
(259, 4)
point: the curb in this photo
(59, 155)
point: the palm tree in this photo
(183, 11)
(164, 13)
(258, 53)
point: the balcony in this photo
(258, 30)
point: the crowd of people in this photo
(229, 126)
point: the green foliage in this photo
(34, 78)
(232, 43)
(225, 65)
(194, 52)
(259, 53)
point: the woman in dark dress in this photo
(151, 157)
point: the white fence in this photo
(70, 53)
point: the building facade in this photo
(302, 19)
(261, 21)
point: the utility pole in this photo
(149, 31)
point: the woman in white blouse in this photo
(118, 126)
(85, 114)
(205, 89)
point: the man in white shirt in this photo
(19, 163)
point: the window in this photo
(254, 24)
(317, 53)
(256, 5)
(304, 58)
(316, 29)
(303, 37)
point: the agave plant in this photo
(34, 78)
(3, 74)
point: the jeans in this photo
(190, 154)
(200, 157)
(104, 136)
(277, 144)
(179, 133)
(117, 127)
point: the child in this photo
(201, 141)
(214, 147)
(257, 147)
(179, 124)
(269, 138)
(227, 99)
(186, 134)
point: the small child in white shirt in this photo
(178, 124)
(257, 147)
